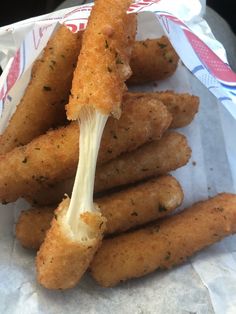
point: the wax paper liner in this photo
(210, 171)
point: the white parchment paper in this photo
(205, 284)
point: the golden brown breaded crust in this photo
(46, 74)
(26, 168)
(105, 44)
(152, 159)
(131, 30)
(53, 157)
(156, 158)
(123, 210)
(62, 259)
(32, 226)
(183, 107)
(51, 195)
(140, 204)
(152, 60)
(141, 121)
(165, 244)
(43, 104)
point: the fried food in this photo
(97, 90)
(152, 60)
(123, 210)
(32, 226)
(35, 115)
(166, 243)
(51, 195)
(64, 256)
(43, 103)
(183, 107)
(103, 63)
(154, 159)
(53, 157)
(137, 205)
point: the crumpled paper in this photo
(205, 284)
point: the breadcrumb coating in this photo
(123, 210)
(105, 44)
(150, 160)
(53, 157)
(152, 60)
(166, 243)
(43, 104)
(182, 106)
(64, 257)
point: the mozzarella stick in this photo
(154, 159)
(97, 90)
(43, 103)
(152, 60)
(140, 204)
(183, 107)
(52, 194)
(32, 226)
(123, 210)
(107, 43)
(166, 243)
(53, 157)
(64, 256)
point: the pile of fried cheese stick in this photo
(93, 158)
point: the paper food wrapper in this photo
(207, 282)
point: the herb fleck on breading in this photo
(47, 88)
(162, 209)
(24, 161)
(168, 255)
(162, 46)
(106, 44)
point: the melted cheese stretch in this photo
(92, 123)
